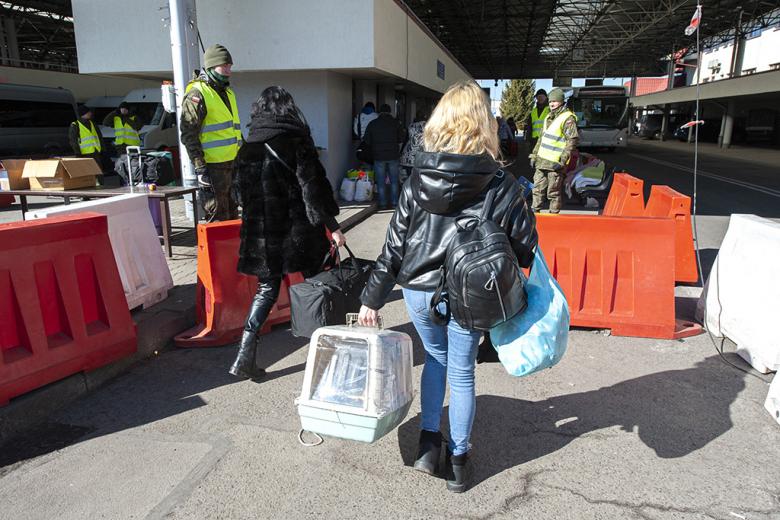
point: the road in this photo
(622, 428)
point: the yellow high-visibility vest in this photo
(220, 132)
(89, 142)
(125, 134)
(537, 120)
(553, 139)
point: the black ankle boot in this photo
(244, 365)
(457, 472)
(428, 452)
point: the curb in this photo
(156, 327)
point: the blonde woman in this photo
(451, 178)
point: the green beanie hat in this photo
(215, 56)
(556, 94)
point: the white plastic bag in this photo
(537, 337)
(347, 191)
(364, 190)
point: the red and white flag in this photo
(695, 20)
(692, 123)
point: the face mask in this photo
(219, 78)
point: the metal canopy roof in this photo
(502, 39)
(44, 34)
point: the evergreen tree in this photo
(517, 100)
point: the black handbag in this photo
(326, 298)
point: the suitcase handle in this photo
(352, 318)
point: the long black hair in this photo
(276, 102)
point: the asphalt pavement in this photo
(622, 428)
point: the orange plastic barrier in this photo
(62, 306)
(626, 198)
(665, 202)
(617, 272)
(223, 294)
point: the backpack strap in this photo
(491, 197)
(440, 296)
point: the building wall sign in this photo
(440, 69)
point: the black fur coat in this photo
(285, 210)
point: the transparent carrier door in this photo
(358, 382)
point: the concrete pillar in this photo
(11, 40)
(665, 123)
(3, 46)
(365, 91)
(386, 96)
(727, 125)
(182, 39)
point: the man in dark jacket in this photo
(85, 138)
(384, 136)
(84, 135)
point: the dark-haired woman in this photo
(287, 203)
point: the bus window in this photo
(604, 112)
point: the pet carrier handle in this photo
(352, 318)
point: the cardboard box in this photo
(61, 174)
(11, 175)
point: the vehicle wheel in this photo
(657, 136)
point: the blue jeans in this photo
(450, 356)
(382, 168)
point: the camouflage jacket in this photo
(572, 139)
(193, 112)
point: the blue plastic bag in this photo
(535, 338)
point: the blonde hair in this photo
(462, 123)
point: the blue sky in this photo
(495, 92)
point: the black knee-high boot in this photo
(265, 298)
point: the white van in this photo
(159, 127)
(101, 106)
(35, 120)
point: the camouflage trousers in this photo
(217, 202)
(548, 184)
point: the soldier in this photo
(211, 132)
(85, 138)
(533, 125)
(559, 138)
(126, 126)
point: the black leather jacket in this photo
(442, 187)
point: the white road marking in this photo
(755, 187)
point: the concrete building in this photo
(332, 55)
(739, 91)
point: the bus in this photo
(35, 120)
(602, 116)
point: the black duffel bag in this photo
(145, 168)
(326, 298)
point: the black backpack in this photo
(481, 283)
